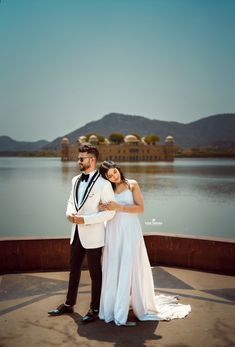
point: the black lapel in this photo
(75, 191)
(89, 187)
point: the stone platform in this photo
(25, 299)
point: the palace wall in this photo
(123, 152)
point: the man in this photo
(88, 230)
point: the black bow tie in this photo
(84, 177)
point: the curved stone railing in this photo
(52, 254)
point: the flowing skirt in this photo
(127, 277)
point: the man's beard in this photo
(84, 167)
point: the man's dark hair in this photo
(88, 148)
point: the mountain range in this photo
(9, 145)
(216, 130)
(213, 131)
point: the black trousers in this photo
(77, 254)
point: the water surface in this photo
(188, 196)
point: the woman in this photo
(127, 276)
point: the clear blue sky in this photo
(64, 63)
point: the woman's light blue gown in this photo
(127, 276)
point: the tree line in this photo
(118, 138)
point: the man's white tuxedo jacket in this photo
(92, 232)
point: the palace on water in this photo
(132, 149)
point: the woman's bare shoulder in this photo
(132, 183)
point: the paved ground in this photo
(25, 299)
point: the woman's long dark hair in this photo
(104, 168)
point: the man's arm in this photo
(71, 210)
(107, 195)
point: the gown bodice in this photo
(125, 197)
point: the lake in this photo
(188, 196)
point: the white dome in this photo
(82, 139)
(130, 139)
(65, 140)
(169, 139)
(93, 139)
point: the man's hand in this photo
(78, 220)
(73, 218)
(70, 217)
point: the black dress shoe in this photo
(62, 309)
(90, 316)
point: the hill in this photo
(212, 131)
(7, 144)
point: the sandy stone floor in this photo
(25, 299)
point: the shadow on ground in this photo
(118, 335)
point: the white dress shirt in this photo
(82, 187)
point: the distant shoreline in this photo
(40, 153)
(205, 153)
(183, 153)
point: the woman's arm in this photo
(138, 207)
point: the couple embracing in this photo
(123, 278)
